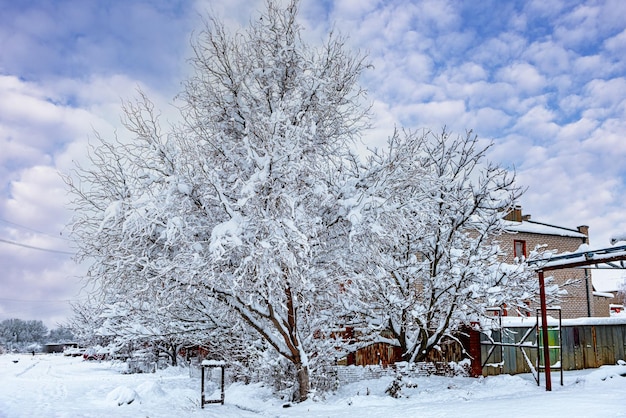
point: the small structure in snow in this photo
(207, 370)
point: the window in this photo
(519, 249)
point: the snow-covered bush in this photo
(395, 387)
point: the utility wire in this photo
(35, 248)
(36, 300)
(33, 230)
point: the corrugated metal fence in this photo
(584, 345)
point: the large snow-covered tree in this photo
(237, 203)
(253, 213)
(428, 212)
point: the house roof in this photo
(533, 227)
(604, 295)
(608, 280)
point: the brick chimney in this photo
(584, 229)
(515, 214)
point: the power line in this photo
(33, 230)
(36, 300)
(35, 248)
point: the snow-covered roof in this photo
(213, 363)
(532, 227)
(618, 237)
(607, 280)
(604, 295)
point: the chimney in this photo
(584, 229)
(515, 214)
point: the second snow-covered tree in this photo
(428, 213)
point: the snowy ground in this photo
(57, 386)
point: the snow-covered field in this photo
(57, 386)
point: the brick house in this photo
(523, 235)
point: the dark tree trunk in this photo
(174, 355)
(304, 385)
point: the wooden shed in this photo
(58, 347)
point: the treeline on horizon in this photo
(18, 335)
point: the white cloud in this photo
(467, 72)
(576, 131)
(550, 58)
(433, 115)
(545, 8)
(538, 122)
(608, 142)
(616, 44)
(498, 51)
(605, 94)
(44, 129)
(524, 77)
(38, 199)
(491, 122)
(578, 26)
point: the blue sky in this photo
(546, 81)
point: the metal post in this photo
(202, 388)
(222, 384)
(544, 330)
(587, 293)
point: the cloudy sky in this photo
(545, 80)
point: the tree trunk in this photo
(174, 355)
(304, 384)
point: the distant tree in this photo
(427, 215)
(60, 334)
(18, 334)
(235, 210)
(141, 319)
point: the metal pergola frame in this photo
(605, 258)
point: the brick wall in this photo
(601, 305)
(574, 304)
(351, 374)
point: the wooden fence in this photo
(585, 343)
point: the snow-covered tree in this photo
(426, 214)
(18, 334)
(141, 318)
(236, 206)
(85, 321)
(60, 334)
(253, 213)
(274, 120)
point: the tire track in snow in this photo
(26, 369)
